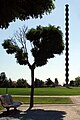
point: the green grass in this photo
(16, 91)
(44, 100)
(1, 107)
(42, 91)
(57, 91)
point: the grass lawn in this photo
(43, 91)
(1, 107)
(44, 100)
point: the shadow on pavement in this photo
(34, 114)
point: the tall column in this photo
(67, 44)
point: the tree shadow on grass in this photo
(34, 114)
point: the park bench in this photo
(7, 102)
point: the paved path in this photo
(46, 112)
(75, 99)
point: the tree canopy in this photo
(3, 79)
(45, 42)
(10, 10)
(22, 83)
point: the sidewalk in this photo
(46, 112)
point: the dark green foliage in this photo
(21, 83)
(76, 82)
(49, 83)
(38, 83)
(8, 83)
(9, 46)
(12, 48)
(72, 83)
(3, 80)
(47, 41)
(56, 82)
(11, 83)
(10, 10)
(21, 57)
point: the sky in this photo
(55, 68)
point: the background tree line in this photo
(76, 82)
(5, 82)
(48, 83)
(22, 83)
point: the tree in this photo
(21, 83)
(45, 43)
(10, 10)
(72, 83)
(38, 83)
(56, 82)
(3, 81)
(77, 81)
(49, 82)
(10, 83)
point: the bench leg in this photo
(7, 111)
(15, 108)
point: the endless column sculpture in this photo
(67, 44)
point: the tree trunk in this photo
(32, 87)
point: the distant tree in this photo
(9, 83)
(72, 83)
(10, 10)
(49, 82)
(38, 83)
(45, 43)
(64, 84)
(4, 81)
(77, 81)
(2, 77)
(21, 83)
(56, 82)
(41, 83)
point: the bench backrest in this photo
(6, 99)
